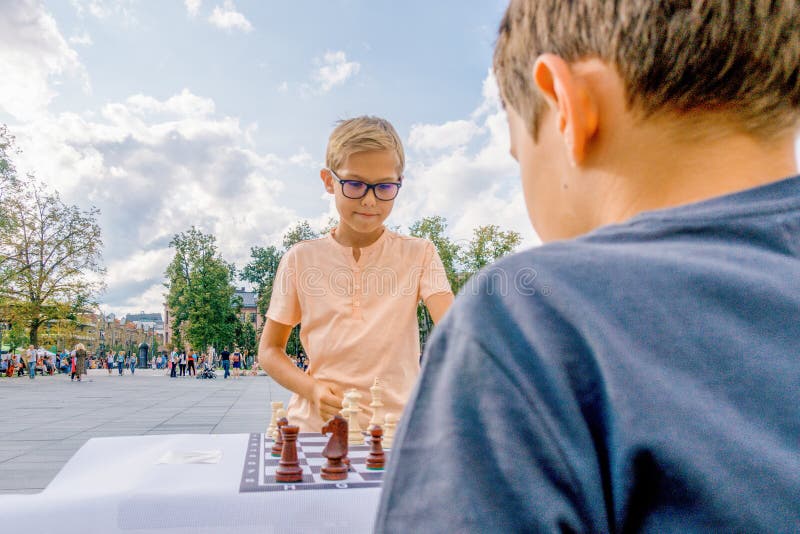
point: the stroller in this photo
(206, 371)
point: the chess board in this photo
(258, 473)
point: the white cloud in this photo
(334, 70)
(33, 53)
(462, 170)
(283, 87)
(105, 9)
(227, 18)
(439, 136)
(155, 168)
(83, 39)
(193, 6)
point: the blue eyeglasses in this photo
(357, 189)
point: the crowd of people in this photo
(176, 363)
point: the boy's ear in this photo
(327, 179)
(570, 98)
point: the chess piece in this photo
(276, 405)
(277, 448)
(377, 403)
(289, 469)
(280, 414)
(376, 457)
(336, 449)
(389, 425)
(355, 434)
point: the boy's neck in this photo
(682, 173)
(347, 237)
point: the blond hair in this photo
(734, 58)
(80, 346)
(362, 134)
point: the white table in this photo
(118, 485)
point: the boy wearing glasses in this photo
(355, 291)
(645, 374)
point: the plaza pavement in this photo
(44, 421)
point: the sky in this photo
(166, 114)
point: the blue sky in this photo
(215, 113)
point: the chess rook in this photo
(289, 469)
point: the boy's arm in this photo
(438, 304)
(273, 359)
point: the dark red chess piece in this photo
(278, 446)
(336, 449)
(376, 458)
(289, 469)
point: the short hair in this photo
(362, 134)
(737, 58)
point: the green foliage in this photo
(17, 337)
(433, 229)
(201, 293)
(488, 244)
(50, 255)
(261, 273)
(330, 225)
(245, 337)
(301, 231)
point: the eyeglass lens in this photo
(354, 189)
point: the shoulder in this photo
(408, 244)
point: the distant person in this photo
(225, 358)
(190, 360)
(236, 359)
(182, 363)
(132, 362)
(80, 355)
(120, 362)
(30, 361)
(110, 361)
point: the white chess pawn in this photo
(280, 414)
(389, 425)
(273, 422)
(376, 404)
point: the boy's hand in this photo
(327, 399)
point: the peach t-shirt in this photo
(358, 318)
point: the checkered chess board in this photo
(259, 466)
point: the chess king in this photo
(355, 291)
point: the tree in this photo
(201, 292)
(330, 225)
(434, 228)
(246, 336)
(50, 257)
(261, 273)
(487, 245)
(301, 231)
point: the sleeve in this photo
(284, 303)
(434, 277)
(478, 450)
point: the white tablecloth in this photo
(118, 485)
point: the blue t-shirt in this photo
(645, 376)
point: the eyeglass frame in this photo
(372, 187)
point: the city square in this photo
(50, 418)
